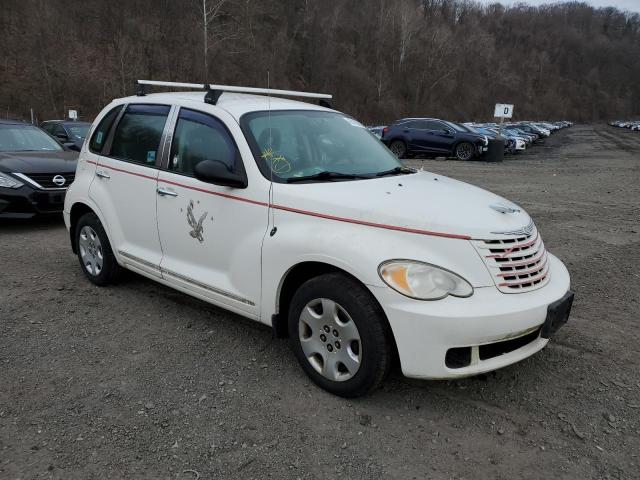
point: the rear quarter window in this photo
(99, 136)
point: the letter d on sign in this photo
(503, 110)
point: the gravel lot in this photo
(139, 381)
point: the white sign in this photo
(503, 110)
(73, 114)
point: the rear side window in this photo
(102, 130)
(200, 137)
(137, 135)
(431, 125)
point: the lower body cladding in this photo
(458, 337)
(26, 202)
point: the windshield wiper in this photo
(396, 171)
(327, 176)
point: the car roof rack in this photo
(214, 91)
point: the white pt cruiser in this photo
(294, 215)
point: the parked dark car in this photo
(35, 171)
(412, 136)
(70, 133)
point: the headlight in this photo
(423, 281)
(7, 181)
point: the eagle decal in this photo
(196, 227)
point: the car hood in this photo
(423, 203)
(38, 162)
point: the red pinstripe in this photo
(296, 210)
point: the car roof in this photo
(13, 122)
(237, 104)
(67, 122)
(419, 118)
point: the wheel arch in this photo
(294, 278)
(78, 209)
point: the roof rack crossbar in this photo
(214, 91)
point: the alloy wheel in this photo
(464, 151)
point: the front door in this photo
(211, 235)
(125, 186)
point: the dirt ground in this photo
(139, 381)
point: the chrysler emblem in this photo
(59, 180)
(501, 208)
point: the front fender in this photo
(357, 250)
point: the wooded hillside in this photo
(382, 59)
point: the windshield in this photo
(300, 143)
(25, 138)
(79, 131)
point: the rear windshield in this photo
(26, 138)
(78, 131)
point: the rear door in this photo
(440, 137)
(211, 235)
(125, 185)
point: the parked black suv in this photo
(35, 171)
(411, 136)
(69, 132)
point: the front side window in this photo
(26, 138)
(58, 131)
(302, 143)
(137, 136)
(102, 130)
(48, 127)
(200, 137)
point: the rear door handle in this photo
(163, 191)
(102, 174)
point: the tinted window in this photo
(431, 125)
(137, 136)
(102, 130)
(48, 127)
(58, 130)
(200, 137)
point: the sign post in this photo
(502, 111)
(73, 114)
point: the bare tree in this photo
(217, 27)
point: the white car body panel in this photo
(251, 241)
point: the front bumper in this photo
(424, 331)
(26, 201)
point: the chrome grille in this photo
(45, 180)
(516, 264)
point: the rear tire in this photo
(398, 148)
(464, 151)
(340, 335)
(96, 258)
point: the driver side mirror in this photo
(447, 131)
(217, 173)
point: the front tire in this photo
(340, 335)
(96, 258)
(464, 151)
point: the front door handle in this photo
(102, 174)
(166, 192)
